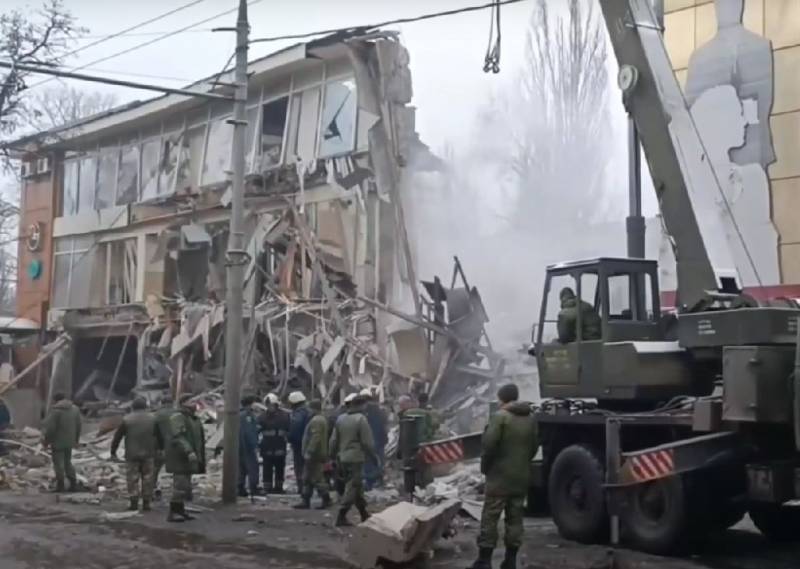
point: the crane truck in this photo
(669, 425)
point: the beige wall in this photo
(689, 24)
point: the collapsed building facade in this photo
(130, 210)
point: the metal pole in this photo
(613, 450)
(109, 81)
(236, 257)
(635, 222)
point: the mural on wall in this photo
(729, 89)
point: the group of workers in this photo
(347, 446)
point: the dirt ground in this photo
(40, 532)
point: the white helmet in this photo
(296, 397)
(366, 392)
(271, 399)
(349, 398)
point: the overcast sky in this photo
(446, 54)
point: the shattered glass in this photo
(170, 157)
(70, 195)
(128, 175)
(339, 112)
(191, 156)
(86, 186)
(106, 179)
(150, 154)
(291, 129)
(273, 123)
(218, 152)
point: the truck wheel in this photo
(777, 523)
(576, 495)
(655, 518)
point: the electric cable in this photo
(409, 20)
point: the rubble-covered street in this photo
(39, 532)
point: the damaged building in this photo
(131, 209)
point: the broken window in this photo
(70, 193)
(150, 155)
(86, 185)
(170, 158)
(273, 123)
(338, 118)
(106, 179)
(251, 144)
(218, 152)
(73, 261)
(121, 262)
(189, 171)
(128, 175)
(291, 129)
(307, 125)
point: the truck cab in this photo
(632, 358)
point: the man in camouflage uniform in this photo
(165, 411)
(315, 454)
(508, 446)
(62, 431)
(138, 428)
(351, 444)
(185, 455)
(568, 318)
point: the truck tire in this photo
(576, 495)
(777, 523)
(656, 518)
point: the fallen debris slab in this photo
(400, 533)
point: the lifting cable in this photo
(491, 61)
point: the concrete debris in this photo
(401, 533)
(117, 516)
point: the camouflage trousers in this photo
(354, 485)
(493, 507)
(139, 474)
(181, 487)
(314, 478)
(62, 466)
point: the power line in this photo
(409, 20)
(140, 34)
(151, 42)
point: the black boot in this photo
(362, 511)
(510, 562)
(304, 503)
(146, 505)
(341, 519)
(326, 502)
(183, 513)
(484, 560)
(134, 506)
(59, 489)
(174, 512)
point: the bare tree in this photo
(9, 221)
(557, 117)
(58, 106)
(42, 38)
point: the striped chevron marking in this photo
(652, 465)
(447, 451)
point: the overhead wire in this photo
(491, 61)
(495, 4)
(151, 42)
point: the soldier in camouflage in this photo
(138, 429)
(62, 431)
(315, 455)
(568, 318)
(165, 411)
(185, 456)
(508, 446)
(351, 443)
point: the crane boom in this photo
(684, 179)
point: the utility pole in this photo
(235, 260)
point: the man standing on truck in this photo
(568, 318)
(508, 446)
